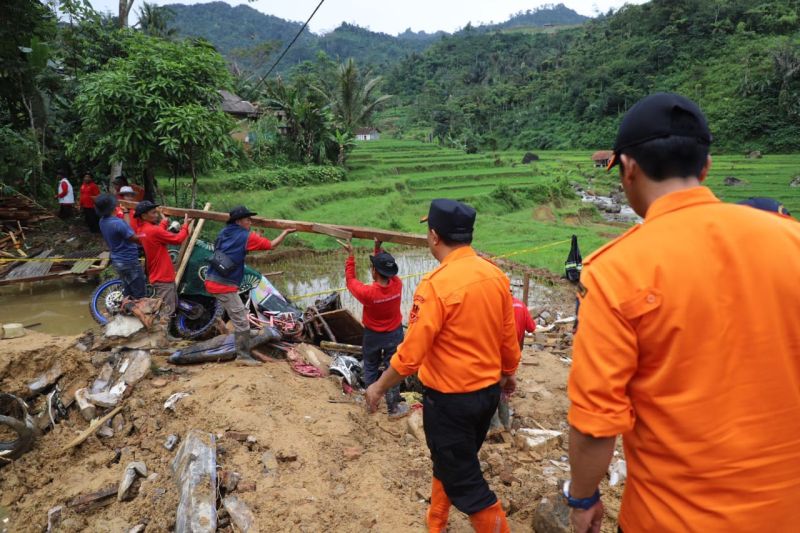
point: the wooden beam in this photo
(396, 237)
(332, 231)
(188, 247)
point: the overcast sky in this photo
(393, 17)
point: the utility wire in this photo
(299, 33)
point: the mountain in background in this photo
(234, 28)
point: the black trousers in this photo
(92, 221)
(455, 428)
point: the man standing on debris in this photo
(121, 240)
(65, 196)
(462, 339)
(522, 320)
(154, 238)
(230, 250)
(89, 191)
(382, 319)
(688, 346)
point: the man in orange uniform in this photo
(382, 319)
(462, 339)
(688, 346)
(154, 238)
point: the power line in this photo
(290, 45)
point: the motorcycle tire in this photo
(104, 298)
(193, 329)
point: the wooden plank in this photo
(51, 276)
(93, 427)
(396, 237)
(94, 500)
(339, 347)
(32, 268)
(186, 252)
(81, 266)
(332, 231)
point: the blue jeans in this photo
(133, 281)
(377, 349)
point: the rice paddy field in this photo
(525, 211)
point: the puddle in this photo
(62, 307)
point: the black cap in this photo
(451, 219)
(765, 204)
(385, 264)
(105, 204)
(143, 207)
(657, 116)
(239, 212)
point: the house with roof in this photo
(368, 134)
(601, 158)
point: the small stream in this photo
(62, 308)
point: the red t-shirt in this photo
(381, 304)
(88, 192)
(254, 242)
(134, 223)
(154, 240)
(522, 319)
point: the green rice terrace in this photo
(522, 208)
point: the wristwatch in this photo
(580, 503)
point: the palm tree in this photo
(154, 21)
(353, 98)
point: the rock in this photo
(732, 181)
(270, 462)
(238, 436)
(132, 471)
(195, 469)
(507, 477)
(423, 495)
(551, 516)
(414, 424)
(123, 326)
(46, 379)
(54, 518)
(105, 432)
(795, 182)
(529, 157)
(240, 514)
(287, 456)
(246, 486)
(229, 479)
(134, 366)
(351, 453)
(171, 441)
(755, 154)
(88, 410)
(158, 383)
(539, 440)
(546, 316)
(103, 379)
(139, 528)
(118, 423)
(13, 331)
(108, 398)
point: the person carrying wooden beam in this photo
(226, 272)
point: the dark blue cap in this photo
(765, 204)
(658, 116)
(143, 207)
(239, 212)
(451, 219)
(385, 264)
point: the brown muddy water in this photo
(62, 307)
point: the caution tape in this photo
(501, 256)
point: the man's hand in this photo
(588, 520)
(373, 397)
(348, 246)
(508, 384)
(186, 220)
(378, 244)
(288, 231)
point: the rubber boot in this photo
(266, 335)
(439, 510)
(242, 341)
(490, 520)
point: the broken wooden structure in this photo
(45, 266)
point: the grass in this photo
(391, 182)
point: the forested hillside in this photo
(738, 58)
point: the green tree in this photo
(138, 109)
(354, 96)
(155, 21)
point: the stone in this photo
(270, 462)
(539, 440)
(158, 383)
(755, 154)
(171, 441)
(118, 423)
(54, 518)
(138, 528)
(423, 495)
(105, 432)
(246, 486)
(287, 456)
(241, 516)
(132, 471)
(46, 379)
(134, 366)
(169, 405)
(414, 424)
(123, 326)
(236, 435)
(229, 480)
(551, 515)
(351, 453)
(795, 182)
(195, 473)
(103, 379)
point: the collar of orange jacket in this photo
(680, 199)
(459, 253)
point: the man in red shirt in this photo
(89, 191)
(126, 192)
(382, 319)
(523, 320)
(65, 196)
(234, 241)
(154, 238)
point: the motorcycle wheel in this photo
(105, 301)
(193, 329)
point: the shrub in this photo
(260, 179)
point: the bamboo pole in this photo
(526, 287)
(396, 237)
(186, 252)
